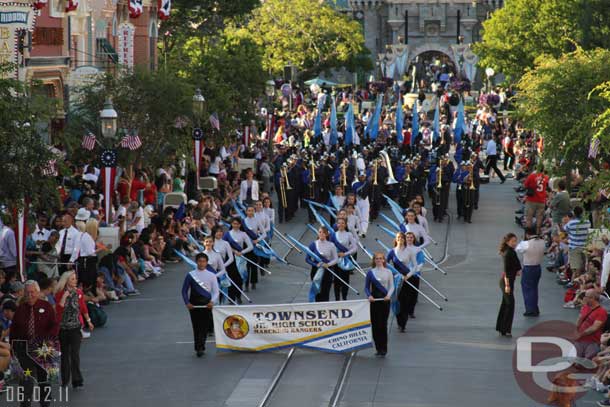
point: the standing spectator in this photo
(266, 175)
(508, 145)
(71, 310)
(535, 197)
(512, 267)
(590, 325)
(85, 255)
(34, 320)
(578, 233)
(8, 251)
(41, 232)
(492, 160)
(68, 238)
(533, 254)
(248, 190)
(560, 203)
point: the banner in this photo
(15, 19)
(335, 327)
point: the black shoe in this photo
(412, 316)
(238, 300)
(254, 286)
(402, 329)
(519, 211)
(531, 314)
(503, 181)
(199, 353)
(76, 385)
(469, 221)
(382, 354)
(247, 289)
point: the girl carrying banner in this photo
(404, 258)
(379, 286)
(346, 246)
(321, 279)
(241, 246)
(223, 248)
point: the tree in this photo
(556, 100)
(308, 34)
(24, 152)
(523, 30)
(149, 102)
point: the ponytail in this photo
(504, 243)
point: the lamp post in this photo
(270, 92)
(198, 107)
(108, 157)
(489, 72)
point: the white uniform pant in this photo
(363, 207)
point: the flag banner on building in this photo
(131, 141)
(335, 327)
(71, 5)
(88, 141)
(39, 4)
(214, 121)
(135, 8)
(165, 7)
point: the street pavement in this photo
(144, 356)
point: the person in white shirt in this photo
(200, 293)
(492, 160)
(403, 256)
(223, 248)
(248, 189)
(68, 238)
(84, 254)
(347, 246)
(327, 251)
(338, 200)
(379, 287)
(41, 232)
(532, 249)
(242, 246)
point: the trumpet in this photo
(375, 165)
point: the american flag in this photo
(131, 141)
(594, 147)
(214, 121)
(88, 142)
(50, 169)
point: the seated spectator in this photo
(6, 319)
(589, 326)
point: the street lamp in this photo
(109, 119)
(198, 101)
(270, 88)
(489, 72)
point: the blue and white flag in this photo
(436, 131)
(350, 126)
(372, 128)
(317, 124)
(460, 124)
(333, 122)
(400, 120)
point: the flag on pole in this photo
(88, 141)
(317, 125)
(333, 122)
(414, 124)
(400, 120)
(131, 141)
(436, 131)
(460, 124)
(372, 127)
(214, 121)
(246, 135)
(350, 126)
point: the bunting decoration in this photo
(71, 5)
(39, 4)
(197, 152)
(135, 8)
(108, 159)
(88, 141)
(21, 234)
(165, 7)
(50, 169)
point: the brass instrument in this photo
(472, 187)
(283, 180)
(375, 165)
(439, 176)
(409, 175)
(285, 175)
(391, 180)
(313, 170)
(344, 172)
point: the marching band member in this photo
(215, 260)
(362, 190)
(459, 179)
(421, 216)
(241, 244)
(265, 223)
(353, 221)
(327, 252)
(338, 200)
(447, 170)
(422, 239)
(223, 248)
(200, 289)
(255, 232)
(346, 245)
(404, 258)
(379, 284)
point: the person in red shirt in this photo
(590, 325)
(536, 185)
(137, 184)
(34, 320)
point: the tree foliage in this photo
(24, 152)
(148, 102)
(556, 100)
(524, 30)
(308, 34)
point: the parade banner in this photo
(335, 327)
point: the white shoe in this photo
(569, 305)
(141, 278)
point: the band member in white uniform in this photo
(346, 246)
(265, 223)
(362, 189)
(241, 246)
(338, 200)
(351, 200)
(422, 239)
(223, 248)
(379, 285)
(421, 218)
(257, 233)
(327, 252)
(404, 258)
